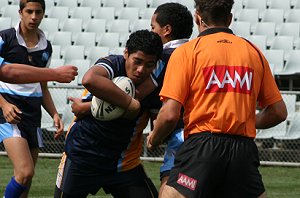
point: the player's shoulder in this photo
(8, 33)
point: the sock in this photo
(14, 189)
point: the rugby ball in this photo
(104, 111)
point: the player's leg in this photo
(132, 184)
(73, 181)
(174, 142)
(34, 154)
(19, 153)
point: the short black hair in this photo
(24, 2)
(146, 41)
(214, 11)
(178, 17)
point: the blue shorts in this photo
(33, 135)
(174, 142)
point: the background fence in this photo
(277, 145)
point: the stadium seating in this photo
(97, 52)
(5, 22)
(56, 51)
(109, 39)
(86, 39)
(259, 40)
(293, 132)
(275, 57)
(241, 28)
(59, 12)
(278, 130)
(12, 12)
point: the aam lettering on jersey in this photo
(228, 79)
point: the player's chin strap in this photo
(132, 110)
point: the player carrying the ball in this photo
(96, 149)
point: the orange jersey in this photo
(218, 78)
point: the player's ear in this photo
(126, 54)
(167, 30)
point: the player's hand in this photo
(132, 110)
(66, 73)
(80, 108)
(59, 125)
(11, 113)
(149, 142)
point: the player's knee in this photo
(24, 176)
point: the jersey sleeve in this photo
(107, 63)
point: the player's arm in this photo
(96, 81)
(80, 108)
(145, 89)
(271, 115)
(49, 106)
(165, 123)
(20, 73)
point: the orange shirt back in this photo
(218, 78)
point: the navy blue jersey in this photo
(98, 145)
(27, 97)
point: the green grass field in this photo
(280, 182)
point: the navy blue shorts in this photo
(217, 165)
(79, 183)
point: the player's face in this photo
(31, 16)
(155, 27)
(139, 66)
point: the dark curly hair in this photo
(23, 3)
(214, 11)
(178, 17)
(146, 41)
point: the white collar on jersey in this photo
(174, 43)
(42, 44)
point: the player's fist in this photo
(66, 73)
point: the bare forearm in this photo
(271, 116)
(19, 73)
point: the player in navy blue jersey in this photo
(174, 24)
(96, 150)
(20, 115)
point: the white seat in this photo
(83, 65)
(147, 13)
(5, 23)
(120, 26)
(86, 39)
(12, 12)
(49, 5)
(290, 29)
(238, 6)
(292, 64)
(267, 29)
(293, 16)
(141, 24)
(290, 102)
(293, 132)
(96, 25)
(273, 15)
(46, 121)
(56, 52)
(261, 5)
(50, 25)
(59, 12)
(189, 4)
(277, 130)
(73, 25)
(132, 14)
(55, 62)
(275, 57)
(117, 50)
(84, 13)
(109, 39)
(296, 4)
(90, 3)
(107, 13)
(195, 32)
(249, 15)
(155, 3)
(123, 39)
(62, 38)
(142, 4)
(73, 52)
(3, 4)
(285, 43)
(97, 52)
(60, 99)
(71, 4)
(280, 4)
(259, 40)
(241, 28)
(118, 4)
